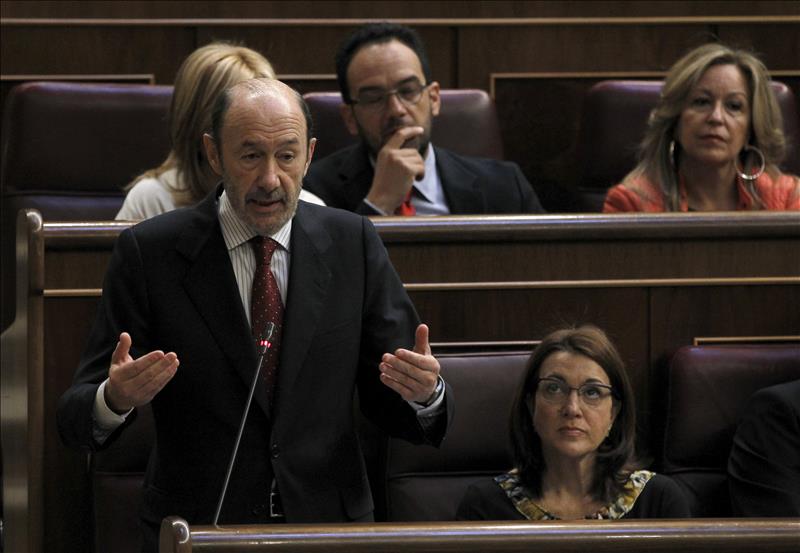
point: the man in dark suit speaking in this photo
(174, 329)
(390, 101)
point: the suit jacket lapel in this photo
(211, 284)
(309, 278)
(356, 174)
(460, 185)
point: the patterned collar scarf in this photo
(524, 502)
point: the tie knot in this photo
(263, 247)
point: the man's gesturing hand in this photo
(412, 374)
(132, 383)
(396, 167)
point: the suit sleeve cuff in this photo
(105, 419)
(373, 207)
(434, 406)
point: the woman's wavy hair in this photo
(201, 78)
(615, 456)
(658, 164)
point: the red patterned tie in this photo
(406, 209)
(266, 306)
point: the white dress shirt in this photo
(427, 194)
(237, 234)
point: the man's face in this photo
(263, 157)
(383, 67)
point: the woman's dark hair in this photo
(615, 456)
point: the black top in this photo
(764, 463)
(486, 500)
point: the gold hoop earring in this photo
(761, 167)
(672, 160)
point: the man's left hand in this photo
(412, 374)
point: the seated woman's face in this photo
(572, 423)
(714, 125)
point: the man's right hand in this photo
(132, 383)
(398, 164)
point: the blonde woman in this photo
(185, 177)
(713, 143)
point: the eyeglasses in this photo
(557, 391)
(409, 93)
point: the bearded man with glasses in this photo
(390, 101)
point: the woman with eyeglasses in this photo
(572, 435)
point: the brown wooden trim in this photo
(608, 283)
(307, 77)
(527, 285)
(600, 227)
(712, 340)
(418, 22)
(22, 408)
(144, 78)
(598, 536)
(484, 347)
(604, 226)
(603, 75)
(72, 292)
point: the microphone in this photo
(263, 344)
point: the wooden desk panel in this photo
(654, 283)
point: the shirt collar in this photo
(235, 231)
(427, 186)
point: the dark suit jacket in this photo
(764, 464)
(471, 185)
(170, 284)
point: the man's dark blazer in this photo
(764, 463)
(170, 284)
(471, 185)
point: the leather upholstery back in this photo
(68, 149)
(424, 483)
(707, 390)
(82, 139)
(117, 477)
(613, 122)
(413, 482)
(467, 124)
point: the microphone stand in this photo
(263, 345)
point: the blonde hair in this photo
(201, 78)
(766, 124)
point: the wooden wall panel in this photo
(290, 51)
(563, 260)
(102, 49)
(392, 8)
(778, 46)
(732, 311)
(570, 48)
(66, 482)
